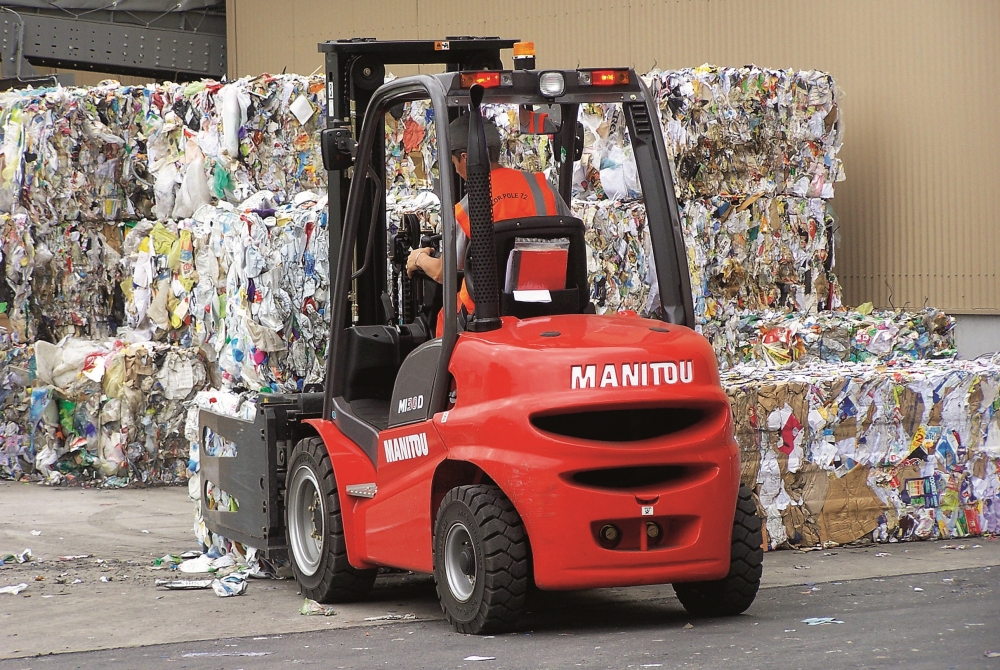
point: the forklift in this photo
(529, 444)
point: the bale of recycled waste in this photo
(249, 285)
(837, 452)
(120, 153)
(106, 412)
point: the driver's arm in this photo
(421, 259)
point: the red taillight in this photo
(484, 79)
(608, 77)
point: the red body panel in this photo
(350, 466)
(594, 363)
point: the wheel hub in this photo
(306, 520)
(460, 562)
(466, 563)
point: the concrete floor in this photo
(123, 531)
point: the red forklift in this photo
(528, 443)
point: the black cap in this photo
(458, 133)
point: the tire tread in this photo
(734, 593)
(340, 582)
(505, 559)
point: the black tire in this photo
(479, 526)
(734, 593)
(314, 529)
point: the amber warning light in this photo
(486, 79)
(604, 77)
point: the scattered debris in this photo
(184, 584)
(313, 608)
(821, 620)
(14, 589)
(480, 658)
(218, 654)
(230, 585)
(392, 617)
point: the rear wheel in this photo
(734, 593)
(480, 560)
(315, 531)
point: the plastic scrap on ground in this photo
(13, 589)
(313, 608)
(821, 621)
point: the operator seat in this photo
(575, 298)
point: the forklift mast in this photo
(355, 68)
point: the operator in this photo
(515, 194)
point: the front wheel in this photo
(734, 593)
(315, 531)
(480, 560)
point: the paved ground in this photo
(937, 620)
(56, 615)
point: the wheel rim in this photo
(306, 520)
(460, 562)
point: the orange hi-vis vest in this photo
(515, 194)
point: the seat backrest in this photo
(575, 298)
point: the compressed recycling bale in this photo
(901, 450)
(247, 284)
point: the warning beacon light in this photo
(524, 55)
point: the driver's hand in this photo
(411, 260)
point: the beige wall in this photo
(918, 211)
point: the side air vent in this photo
(620, 425)
(630, 478)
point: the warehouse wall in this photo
(918, 221)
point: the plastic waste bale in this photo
(74, 272)
(264, 135)
(61, 276)
(117, 153)
(746, 130)
(776, 339)
(248, 284)
(619, 255)
(19, 257)
(837, 452)
(16, 449)
(72, 159)
(111, 412)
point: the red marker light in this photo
(609, 77)
(484, 79)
